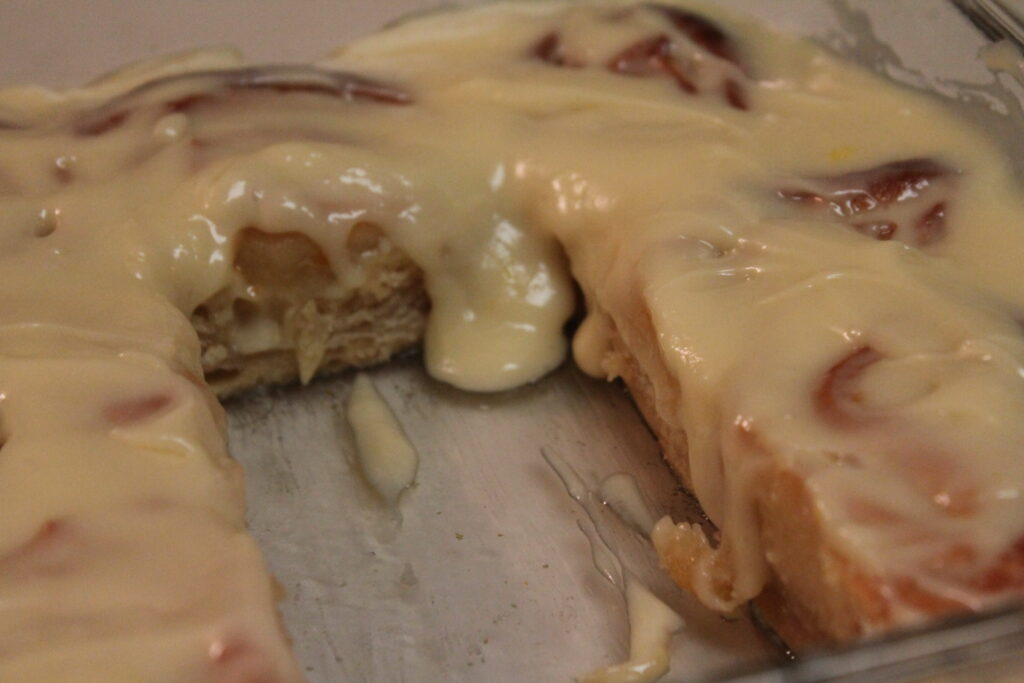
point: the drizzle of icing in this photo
(387, 457)
(652, 623)
(489, 162)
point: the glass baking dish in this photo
(485, 574)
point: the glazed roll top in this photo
(826, 265)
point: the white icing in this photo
(652, 624)
(500, 156)
(386, 456)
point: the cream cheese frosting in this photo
(830, 264)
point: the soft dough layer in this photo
(286, 316)
(808, 278)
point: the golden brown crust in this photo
(813, 596)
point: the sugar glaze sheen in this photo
(850, 314)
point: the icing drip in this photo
(818, 271)
(388, 460)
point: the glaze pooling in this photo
(495, 155)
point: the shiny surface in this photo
(984, 265)
(386, 458)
